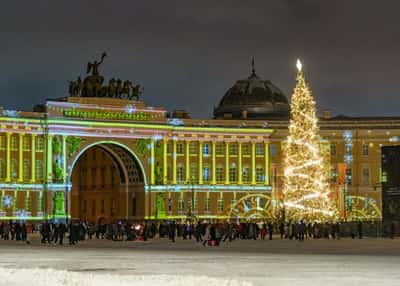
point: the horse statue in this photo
(126, 88)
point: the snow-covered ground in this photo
(366, 262)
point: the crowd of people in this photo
(205, 232)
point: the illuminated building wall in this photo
(227, 168)
(163, 164)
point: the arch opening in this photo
(107, 184)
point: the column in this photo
(200, 162)
(253, 163)
(266, 163)
(227, 163)
(49, 161)
(174, 162)
(240, 181)
(64, 157)
(8, 159)
(33, 158)
(20, 157)
(152, 163)
(187, 161)
(214, 163)
(165, 170)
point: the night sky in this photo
(186, 54)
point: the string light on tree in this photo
(306, 187)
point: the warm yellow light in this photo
(299, 65)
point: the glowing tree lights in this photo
(306, 187)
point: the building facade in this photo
(101, 158)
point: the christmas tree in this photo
(306, 187)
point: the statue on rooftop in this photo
(94, 67)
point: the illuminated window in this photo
(169, 147)
(334, 174)
(39, 144)
(193, 148)
(207, 206)
(2, 169)
(259, 149)
(246, 174)
(220, 204)
(206, 149)
(14, 142)
(333, 149)
(180, 173)
(273, 150)
(27, 143)
(14, 169)
(206, 173)
(179, 148)
(233, 149)
(365, 149)
(348, 176)
(245, 149)
(2, 142)
(26, 170)
(232, 173)
(365, 176)
(219, 149)
(181, 205)
(193, 172)
(39, 170)
(259, 174)
(219, 174)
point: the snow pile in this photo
(51, 277)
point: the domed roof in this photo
(253, 98)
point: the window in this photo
(103, 177)
(169, 147)
(181, 205)
(39, 170)
(94, 177)
(2, 142)
(333, 149)
(219, 149)
(206, 149)
(14, 142)
(365, 176)
(365, 149)
(207, 206)
(206, 173)
(39, 144)
(93, 207)
(193, 172)
(219, 173)
(273, 150)
(193, 148)
(348, 176)
(180, 173)
(14, 169)
(232, 173)
(2, 169)
(233, 149)
(259, 174)
(259, 149)
(334, 174)
(27, 143)
(246, 174)
(179, 148)
(245, 149)
(220, 204)
(26, 170)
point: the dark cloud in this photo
(188, 53)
